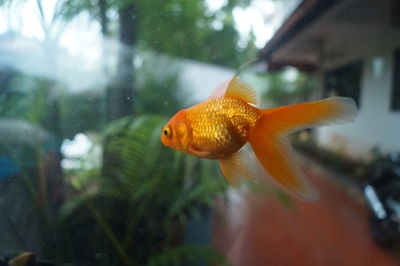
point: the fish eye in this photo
(167, 132)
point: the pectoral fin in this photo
(194, 151)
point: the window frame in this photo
(395, 88)
(342, 73)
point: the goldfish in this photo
(250, 142)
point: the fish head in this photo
(175, 134)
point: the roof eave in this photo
(305, 14)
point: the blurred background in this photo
(85, 86)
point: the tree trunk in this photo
(121, 91)
(103, 17)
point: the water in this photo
(85, 180)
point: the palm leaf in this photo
(187, 255)
(157, 189)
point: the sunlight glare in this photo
(290, 74)
(215, 5)
(255, 18)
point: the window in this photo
(395, 105)
(89, 174)
(345, 81)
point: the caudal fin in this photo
(268, 138)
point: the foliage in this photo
(337, 162)
(189, 254)
(137, 208)
(194, 35)
(24, 97)
(132, 210)
(282, 91)
(191, 23)
(86, 109)
(357, 171)
(158, 86)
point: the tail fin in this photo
(273, 150)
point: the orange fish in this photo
(219, 128)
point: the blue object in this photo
(199, 230)
(8, 168)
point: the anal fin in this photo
(238, 166)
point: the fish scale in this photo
(220, 126)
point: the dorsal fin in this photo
(237, 89)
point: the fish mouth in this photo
(168, 143)
(164, 141)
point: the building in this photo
(353, 48)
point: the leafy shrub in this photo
(135, 208)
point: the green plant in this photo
(283, 91)
(159, 90)
(333, 160)
(136, 209)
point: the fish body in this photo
(219, 128)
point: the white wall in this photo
(199, 79)
(376, 124)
